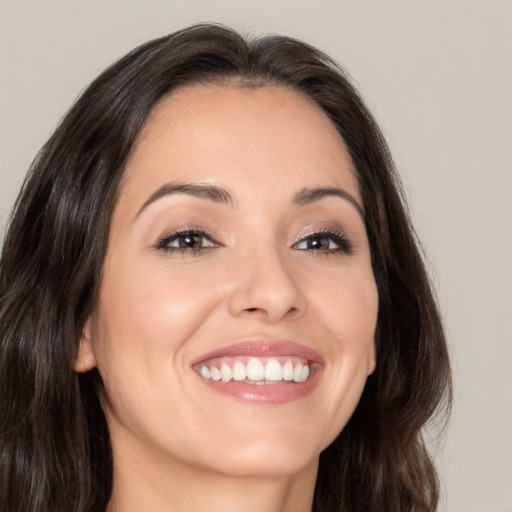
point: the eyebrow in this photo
(221, 195)
(310, 195)
(211, 192)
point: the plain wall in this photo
(438, 77)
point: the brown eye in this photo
(317, 242)
(189, 241)
(330, 242)
(185, 241)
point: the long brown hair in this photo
(55, 446)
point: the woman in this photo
(212, 297)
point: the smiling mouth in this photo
(256, 370)
(261, 371)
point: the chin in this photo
(271, 456)
(269, 465)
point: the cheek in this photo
(143, 333)
(348, 305)
(143, 328)
(348, 315)
(163, 304)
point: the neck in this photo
(188, 489)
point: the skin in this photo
(177, 444)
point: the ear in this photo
(372, 360)
(86, 359)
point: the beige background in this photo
(438, 76)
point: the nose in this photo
(265, 287)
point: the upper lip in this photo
(263, 348)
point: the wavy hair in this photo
(55, 451)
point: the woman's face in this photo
(235, 325)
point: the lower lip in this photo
(271, 394)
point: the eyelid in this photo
(344, 245)
(339, 237)
(163, 240)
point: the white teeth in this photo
(257, 372)
(273, 370)
(225, 373)
(255, 369)
(239, 372)
(205, 372)
(297, 373)
(288, 370)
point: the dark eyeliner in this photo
(343, 243)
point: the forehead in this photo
(239, 137)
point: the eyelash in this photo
(163, 243)
(344, 246)
(343, 243)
